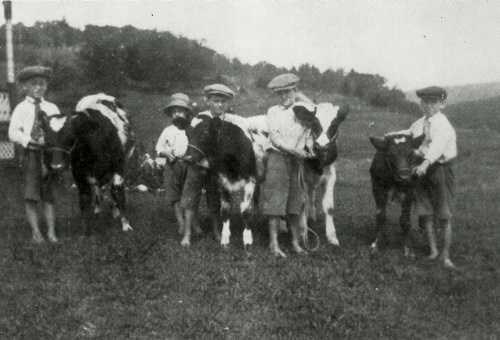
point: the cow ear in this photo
(379, 142)
(417, 141)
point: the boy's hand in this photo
(37, 144)
(301, 153)
(422, 168)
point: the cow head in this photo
(400, 154)
(201, 143)
(61, 133)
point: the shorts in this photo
(283, 190)
(435, 191)
(38, 182)
(174, 179)
(198, 178)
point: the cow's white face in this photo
(56, 124)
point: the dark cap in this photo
(284, 82)
(219, 89)
(432, 92)
(177, 102)
(35, 71)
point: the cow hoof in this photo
(185, 243)
(37, 240)
(333, 241)
(180, 231)
(373, 248)
(409, 254)
(432, 257)
(217, 236)
(224, 247)
(127, 228)
(197, 230)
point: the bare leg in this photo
(188, 220)
(447, 243)
(50, 217)
(429, 225)
(179, 216)
(295, 229)
(32, 216)
(274, 222)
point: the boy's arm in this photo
(162, 147)
(16, 132)
(276, 139)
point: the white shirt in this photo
(23, 117)
(442, 146)
(174, 138)
(285, 130)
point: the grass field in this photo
(144, 285)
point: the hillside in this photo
(480, 114)
(466, 93)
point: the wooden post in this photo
(11, 83)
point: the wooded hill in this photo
(112, 59)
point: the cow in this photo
(227, 152)
(319, 171)
(98, 139)
(391, 170)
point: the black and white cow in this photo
(228, 153)
(99, 140)
(320, 171)
(391, 171)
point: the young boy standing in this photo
(172, 145)
(435, 188)
(25, 129)
(218, 97)
(282, 189)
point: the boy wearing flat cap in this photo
(25, 129)
(282, 196)
(218, 97)
(172, 145)
(435, 187)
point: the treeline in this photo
(112, 59)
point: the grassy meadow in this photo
(144, 285)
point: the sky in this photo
(410, 43)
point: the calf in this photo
(320, 170)
(98, 139)
(391, 169)
(228, 153)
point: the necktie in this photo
(427, 132)
(36, 130)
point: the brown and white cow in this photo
(99, 140)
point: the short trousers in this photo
(174, 178)
(38, 182)
(198, 178)
(435, 191)
(283, 189)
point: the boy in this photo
(435, 187)
(282, 189)
(172, 145)
(218, 97)
(25, 130)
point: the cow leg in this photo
(328, 204)
(225, 199)
(405, 222)
(274, 222)
(118, 195)
(86, 200)
(246, 209)
(98, 198)
(380, 196)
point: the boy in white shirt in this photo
(25, 129)
(172, 145)
(435, 188)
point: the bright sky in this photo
(410, 43)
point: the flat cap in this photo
(284, 82)
(177, 102)
(219, 89)
(34, 71)
(432, 92)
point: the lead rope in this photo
(305, 238)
